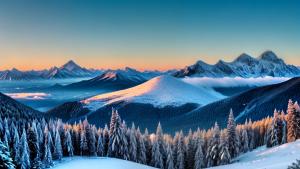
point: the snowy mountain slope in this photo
(98, 163)
(267, 158)
(254, 104)
(268, 64)
(112, 80)
(160, 91)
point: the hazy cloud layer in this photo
(29, 96)
(234, 82)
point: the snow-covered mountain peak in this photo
(245, 58)
(70, 65)
(159, 91)
(270, 56)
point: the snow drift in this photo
(98, 163)
(267, 158)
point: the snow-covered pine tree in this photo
(170, 160)
(191, 151)
(295, 165)
(117, 139)
(47, 160)
(6, 161)
(148, 146)
(25, 159)
(100, 148)
(58, 154)
(292, 123)
(15, 149)
(92, 142)
(68, 145)
(180, 161)
(84, 149)
(244, 141)
(199, 157)
(160, 140)
(34, 148)
(141, 149)
(232, 135)
(213, 151)
(273, 134)
(284, 128)
(105, 139)
(132, 144)
(156, 159)
(224, 155)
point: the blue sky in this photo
(145, 34)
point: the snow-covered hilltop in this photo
(267, 64)
(160, 91)
(98, 163)
(267, 158)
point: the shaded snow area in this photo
(98, 163)
(279, 157)
(160, 91)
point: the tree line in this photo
(37, 142)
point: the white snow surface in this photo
(279, 157)
(160, 91)
(98, 163)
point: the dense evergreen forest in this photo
(35, 142)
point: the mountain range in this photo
(267, 64)
(68, 70)
(179, 106)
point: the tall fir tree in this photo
(34, 148)
(6, 161)
(199, 157)
(156, 160)
(232, 135)
(25, 158)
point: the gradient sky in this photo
(144, 34)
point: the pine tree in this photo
(156, 160)
(160, 140)
(92, 142)
(295, 165)
(34, 148)
(224, 152)
(199, 158)
(284, 128)
(57, 147)
(232, 135)
(245, 141)
(105, 139)
(213, 147)
(25, 158)
(100, 148)
(68, 145)
(83, 144)
(132, 144)
(141, 149)
(292, 122)
(117, 139)
(148, 146)
(191, 151)
(6, 161)
(273, 134)
(170, 160)
(180, 152)
(15, 150)
(47, 160)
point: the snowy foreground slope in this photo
(267, 158)
(98, 163)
